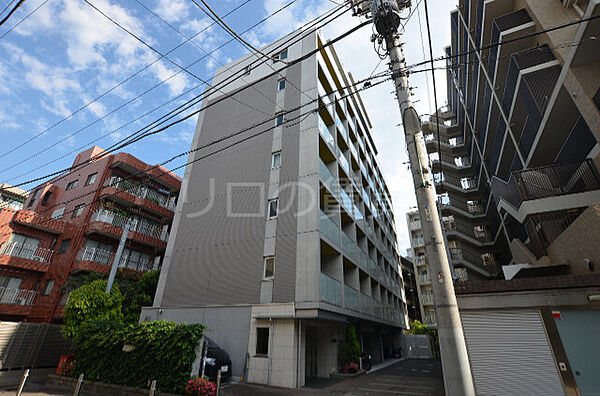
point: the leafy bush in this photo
(200, 387)
(350, 348)
(91, 302)
(135, 354)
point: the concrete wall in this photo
(228, 326)
(581, 240)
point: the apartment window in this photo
(46, 198)
(247, 70)
(273, 208)
(262, 341)
(282, 55)
(279, 119)
(64, 246)
(269, 267)
(72, 185)
(9, 283)
(91, 179)
(281, 84)
(47, 289)
(78, 210)
(276, 160)
(58, 213)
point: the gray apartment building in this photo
(517, 156)
(284, 233)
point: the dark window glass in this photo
(262, 340)
(64, 246)
(91, 179)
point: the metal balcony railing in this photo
(424, 279)
(547, 181)
(26, 251)
(16, 296)
(135, 224)
(139, 265)
(141, 191)
(427, 299)
(95, 255)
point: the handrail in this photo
(26, 251)
(17, 296)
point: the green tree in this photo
(350, 348)
(417, 327)
(90, 302)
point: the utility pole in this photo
(115, 264)
(458, 380)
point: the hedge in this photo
(135, 354)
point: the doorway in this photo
(311, 352)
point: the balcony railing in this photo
(424, 279)
(16, 296)
(141, 191)
(350, 298)
(365, 304)
(137, 225)
(26, 251)
(349, 246)
(95, 255)
(139, 265)
(547, 181)
(427, 299)
(331, 290)
(420, 260)
(327, 137)
(328, 228)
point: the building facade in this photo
(517, 155)
(284, 239)
(72, 224)
(12, 197)
(413, 306)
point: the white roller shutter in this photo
(510, 354)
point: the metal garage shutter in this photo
(510, 354)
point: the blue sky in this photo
(67, 54)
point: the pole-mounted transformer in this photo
(458, 380)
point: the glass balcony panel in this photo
(365, 304)
(328, 228)
(343, 162)
(348, 246)
(340, 125)
(350, 298)
(331, 290)
(327, 136)
(346, 202)
(327, 178)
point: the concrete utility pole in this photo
(458, 380)
(115, 264)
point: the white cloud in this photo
(172, 10)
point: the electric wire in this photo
(24, 19)
(11, 12)
(140, 134)
(223, 139)
(6, 7)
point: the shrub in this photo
(91, 302)
(135, 354)
(200, 387)
(350, 348)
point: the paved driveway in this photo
(406, 378)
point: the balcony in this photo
(331, 291)
(427, 299)
(144, 195)
(365, 304)
(144, 231)
(17, 296)
(424, 279)
(34, 220)
(546, 181)
(349, 246)
(326, 135)
(25, 256)
(133, 165)
(418, 242)
(350, 298)
(93, 259)
(343, 162)
(340, 126)
(420, 260)
(328, 228)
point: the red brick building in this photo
(72, 224)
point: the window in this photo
(91, 179)
(97, 252)
(273, 206)
(135, 260)
(281, 84)
(262, 341)
(47, 289)
(64, 246)
(276, 160)
(58, 213)
(72, 185)
(279, 119)
(9, 284)
(78, 210)
(22, 246)
(269, 267)
(282, 55)
(46, 198)
(247, 70)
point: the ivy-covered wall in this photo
(135, 354)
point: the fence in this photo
(26, 251)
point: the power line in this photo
(11, 12)
(22, 20)
(115, 86)
(220, 140)
(8, 5)
(140, 134)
